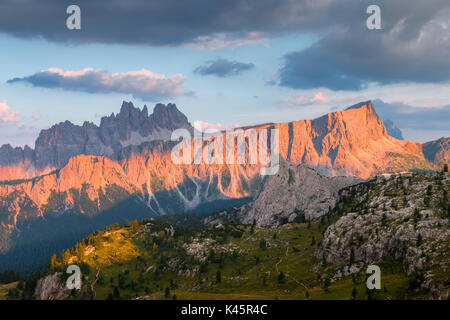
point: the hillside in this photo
(394, 218)
(325, 259)
(229, 262)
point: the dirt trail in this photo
(281, 260)
(94, 282)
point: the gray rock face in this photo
(131, 126)
(10, 156)
(296, 193)
(393, 130)
(393, 222)
(51, 287)
(437, 151)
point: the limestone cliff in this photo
(438, 151)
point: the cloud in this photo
(223, 68)
(6, 115)
(298, 99)
(415, 118)
(141, 84)
(323, 98)
(209, 127)
(220, 41)
(17, 135)
(413, 46)
(36, 115)
(100, 115)
(204, 23)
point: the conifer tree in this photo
(167, 293)
(419, 240)
(354, 293)
(116, 293)
(53, 262)
(218, 276)
(352, 257)
(281, 277)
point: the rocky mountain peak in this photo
(437, 151)
(56, 145)
(127, 107)
(393, 130)
(349, 142)
(145, 111)
(168, 116)
(368, 105)
(10, 155)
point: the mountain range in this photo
(55, 146)
(78, 179)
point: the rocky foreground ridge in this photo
(403, 217)
(399, 222)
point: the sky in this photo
(227, 63)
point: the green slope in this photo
(150, 259)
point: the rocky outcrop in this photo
(438, 151)
(401, 217)
(16, 163)
(51, 287)
(393, 130)
(295, 193)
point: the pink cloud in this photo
(211, 127)
(6, 115)
(143, 84)
(36, 115)
(301, 100)
(319, 97)
(221, 41)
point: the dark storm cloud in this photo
(223, 68)
(413, 46)
(416, 118)
(156, 22)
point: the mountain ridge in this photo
(353, 142)
(332, 145)
(301, 141)
(56, 145)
